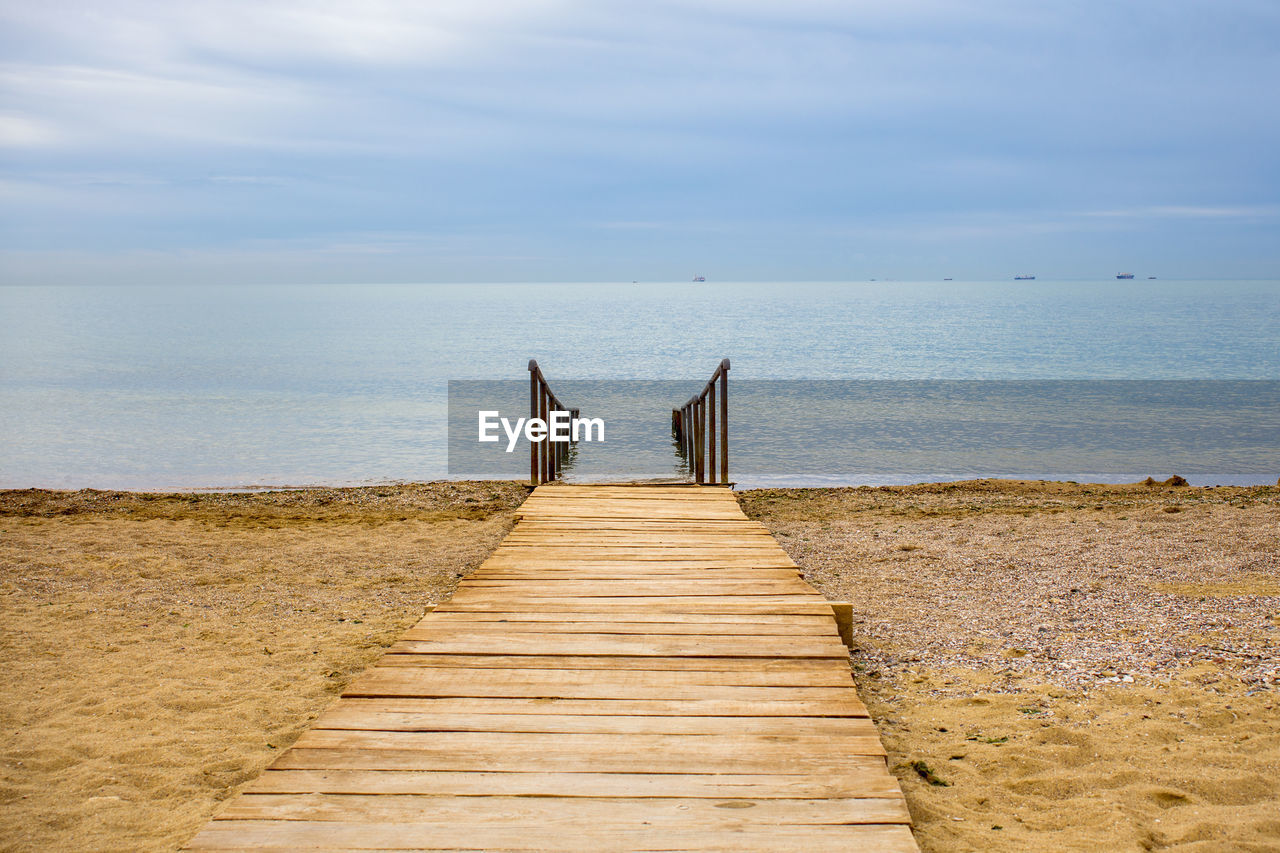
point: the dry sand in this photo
(159, 650)
(1057, 666)
(1082, 667)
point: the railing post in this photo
(560, 448)
(693, 440)
(552, 446)
(534, 471)
(684, 433)
(724, 421)
(543, 405)
(711, 432)
(691, 431)
(699, 437)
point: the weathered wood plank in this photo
(815, 621)
(763, 747)
(631, 646)
(708, 605)
(485, 660)
(405, 670)
(439, 628)
(867, 782)
(365, 715)
(764, 604)
(410, 682)
(525, 758)
(553, 587)
(846, 706)
(654, 812)
(361, 835)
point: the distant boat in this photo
(946, 279)
(1151, 278)
(1024, 278)
(1124, 275)
(699, 278)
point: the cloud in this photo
(272, 33)
(1251, 212)
(18, 131)
(193, 127)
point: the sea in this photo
(831, 383)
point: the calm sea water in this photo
(179, 387)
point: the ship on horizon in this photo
(1124, 275)
(699, 278)
(1024, 278)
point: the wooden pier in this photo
(634, 668)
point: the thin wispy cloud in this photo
(1191, 212)
(606, 138)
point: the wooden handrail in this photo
(545, 461)
(694, 426)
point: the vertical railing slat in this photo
(711, 432)
(535, 473)
(724, 421)
(698, 438)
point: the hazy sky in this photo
(459, 140)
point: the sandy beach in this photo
(1052, 666)
(161, 649)
(1055, 666)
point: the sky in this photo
(261, 141)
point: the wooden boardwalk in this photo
(635, 668)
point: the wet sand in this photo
(1052, 666)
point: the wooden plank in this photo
(552, 587)
(657, 538)
(817, 621)
(437, 629)
(657, 570)
(364, 715)
(410, 682)
(407, 655)
(692, 569)
(601, 598)
(847, 706)
(525, 757)
(408, 670)
(616, 511)
(729, 746)
(654, 812)
(639, 550)
(646, 530)
(617, 644)
(535, 563)
(688, 605)
(362, 835)
(867, 782)
(618, 662)
(552, 521)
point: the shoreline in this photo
(1195, 481)
(1053, 665)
